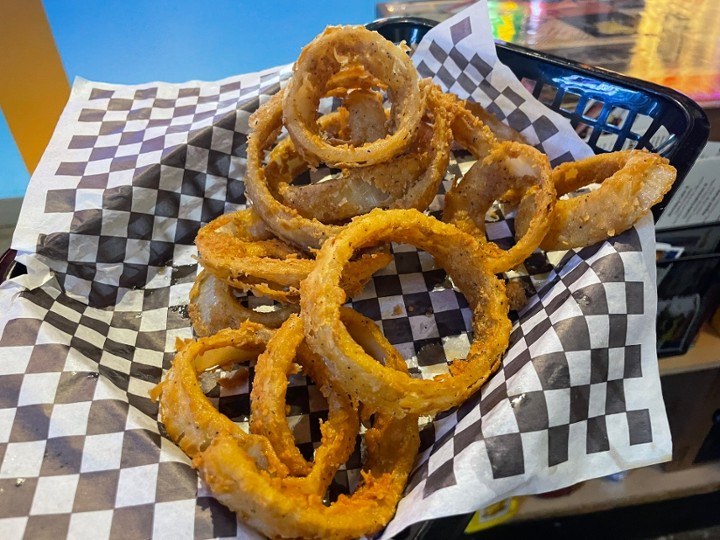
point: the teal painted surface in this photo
(14, 176)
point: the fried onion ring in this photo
(511, 170)
(330, 52)
(285, 222)
(213, 306)
(468, 130)
(358, 373)
(270, 386)
(269, 504)
(267, 403)
(631, 182)
(236, 249)
(411, 180)
(244, 473)
(189, 417)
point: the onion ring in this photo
(328, 54)
(267, 403)
(252, 259)
(285, 222)
(631, 182)
(510, 170)
(189, 417)
(409, 181)
(333, 200)
(359, 374)
(268, 398)
(468, 130)
(244, 473)
(390, 185)
(269, 505)
(213, 306)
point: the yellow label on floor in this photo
(492, 515)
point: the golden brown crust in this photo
(214, 306)
(247, 257)
(330, 52)
(358, 373)
(243, 470)
(511, 170)
(631, 183)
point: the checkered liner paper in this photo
(107, 234)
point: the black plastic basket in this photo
(654, 117)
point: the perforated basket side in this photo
(612, 111)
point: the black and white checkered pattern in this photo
(568, 392)
(143, 169)
(107, 232)
(458, 57)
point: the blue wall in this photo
(136, 41)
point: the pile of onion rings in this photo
(305, 249)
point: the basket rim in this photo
(682, 156)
